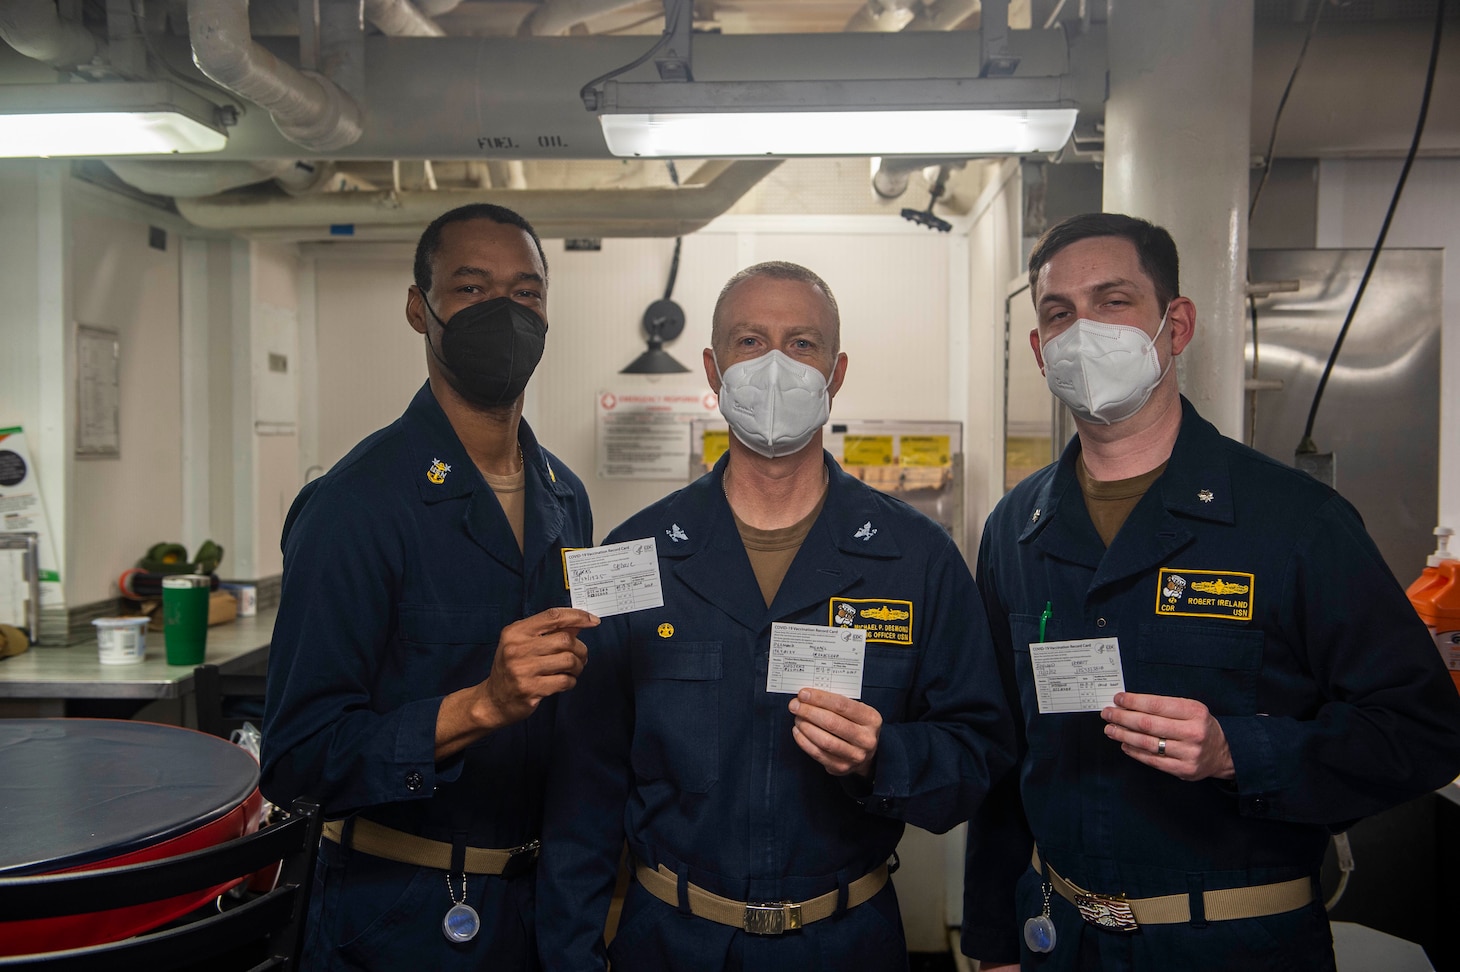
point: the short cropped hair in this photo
(1154, 246)
(776, 270)
(430, 242)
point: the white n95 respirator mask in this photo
(774, 403)
(1103, 372)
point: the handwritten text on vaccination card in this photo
(1076, 676)
(615, 579)
(811, 655)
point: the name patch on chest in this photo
(886, 621)
(566, 585)
(1204, 593)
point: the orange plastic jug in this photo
(1436, 597)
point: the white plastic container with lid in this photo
(121, 641)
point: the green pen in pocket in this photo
(1044, 618)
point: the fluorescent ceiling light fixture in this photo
(919, 133)
(930, 118)
(105, 119)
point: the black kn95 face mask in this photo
(490, 349)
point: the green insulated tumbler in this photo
(185, 617)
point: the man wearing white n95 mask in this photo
(1277, 683)
(761, 823)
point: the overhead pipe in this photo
(663, 211)
(943, 15)
(36, 29)
(559, 16)
(401, 18)
(892, 16)
(886, 16)
(435, 8)
(396, 18)
(308, 108)
(191, 179)
(893, 174)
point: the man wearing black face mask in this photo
(424, 631)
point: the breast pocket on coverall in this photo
(1216, 665)
(885, 679)
(677, 719)
(443, 647)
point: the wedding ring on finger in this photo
(1160, 747)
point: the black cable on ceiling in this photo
(1267, 159)
(1306, 445)
(678, 240)
(587, 92)
(1282, 103)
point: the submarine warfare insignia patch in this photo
(885, 621)
(1204, 593)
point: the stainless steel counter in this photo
(74, 672)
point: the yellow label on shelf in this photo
(716, 444)
(926, 450)
(867, 450)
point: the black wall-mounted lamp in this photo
(663, 321)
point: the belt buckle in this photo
(772, 917)
(1106, 911)
(522, 859)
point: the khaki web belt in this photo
(758, 917)
(378, 840)
(1127, 914)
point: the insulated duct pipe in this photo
(890, 16)
(435, 8)
(662, 211)
(887, 16)
(35, 29)
(559, 16)
(307, 107)
(943, 15)
(401, 18)
(190, 179)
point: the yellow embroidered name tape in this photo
(886, 621)
(566, 585)
(1204, 593)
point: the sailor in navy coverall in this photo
(1278, 685)
(406, 691)
(672, 742)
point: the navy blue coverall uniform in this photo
(671, 739)
(400, 571)
(1250, 587)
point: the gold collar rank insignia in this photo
(437, 472)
